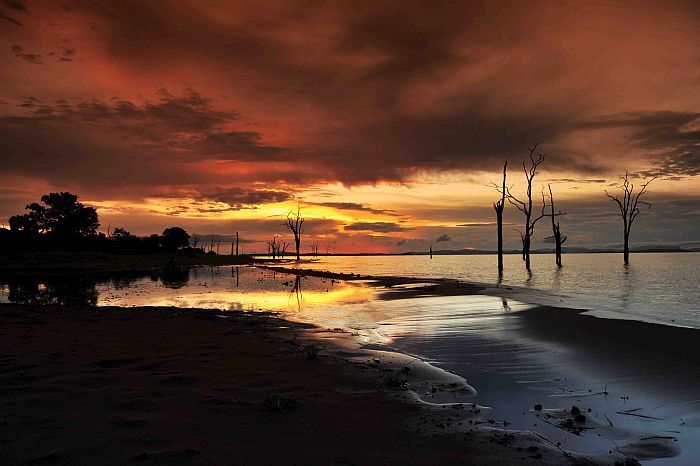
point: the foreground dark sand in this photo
(167, 386)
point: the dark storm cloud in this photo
(15, 5)
(67, 54)
(472, 140)
(107, 141)
(235, 145)
(240, 196)
(405, 35)
(353, 206)
(379, 227)
(404, 41)
(10, 19)
(169, 114)
(370, 65)
(34, 58)
(669, 139)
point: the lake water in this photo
(656, 287)
(513, 361)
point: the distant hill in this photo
(477, 252)
(571, 250)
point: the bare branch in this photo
(629, 205)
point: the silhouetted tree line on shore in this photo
(60, 222)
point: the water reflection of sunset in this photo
(251, 290)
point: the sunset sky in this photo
(386, 121)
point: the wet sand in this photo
(635, 383)
(631, 380)
(82, 385)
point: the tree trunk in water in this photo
(526, 252)
(297, 242)
(499, 206)
(627, 248)
(558, 240)
(499, 221)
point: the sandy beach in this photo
(375, 370)
(173, 386)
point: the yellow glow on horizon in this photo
(431, 201)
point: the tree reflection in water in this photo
(78, 288)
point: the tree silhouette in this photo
(498, 206)
(629, 207)
(121, 234)
(283, 249)
(295, 223)
(526, 206)
(556, 230)
(174, 238)
(25, 225)
(61, 217)
(273, 247)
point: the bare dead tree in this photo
(236, 243)
(629, 207)
(283, 249)
(295, 223)
(498, 206)
(273, 247)
(556, 230)
(526, 206)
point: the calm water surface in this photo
(657, 287)
(484, 338)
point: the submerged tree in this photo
(295, 222)
(498, 206)
(526, 206)
(629, 207)
(273, 247)
(556, 230)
